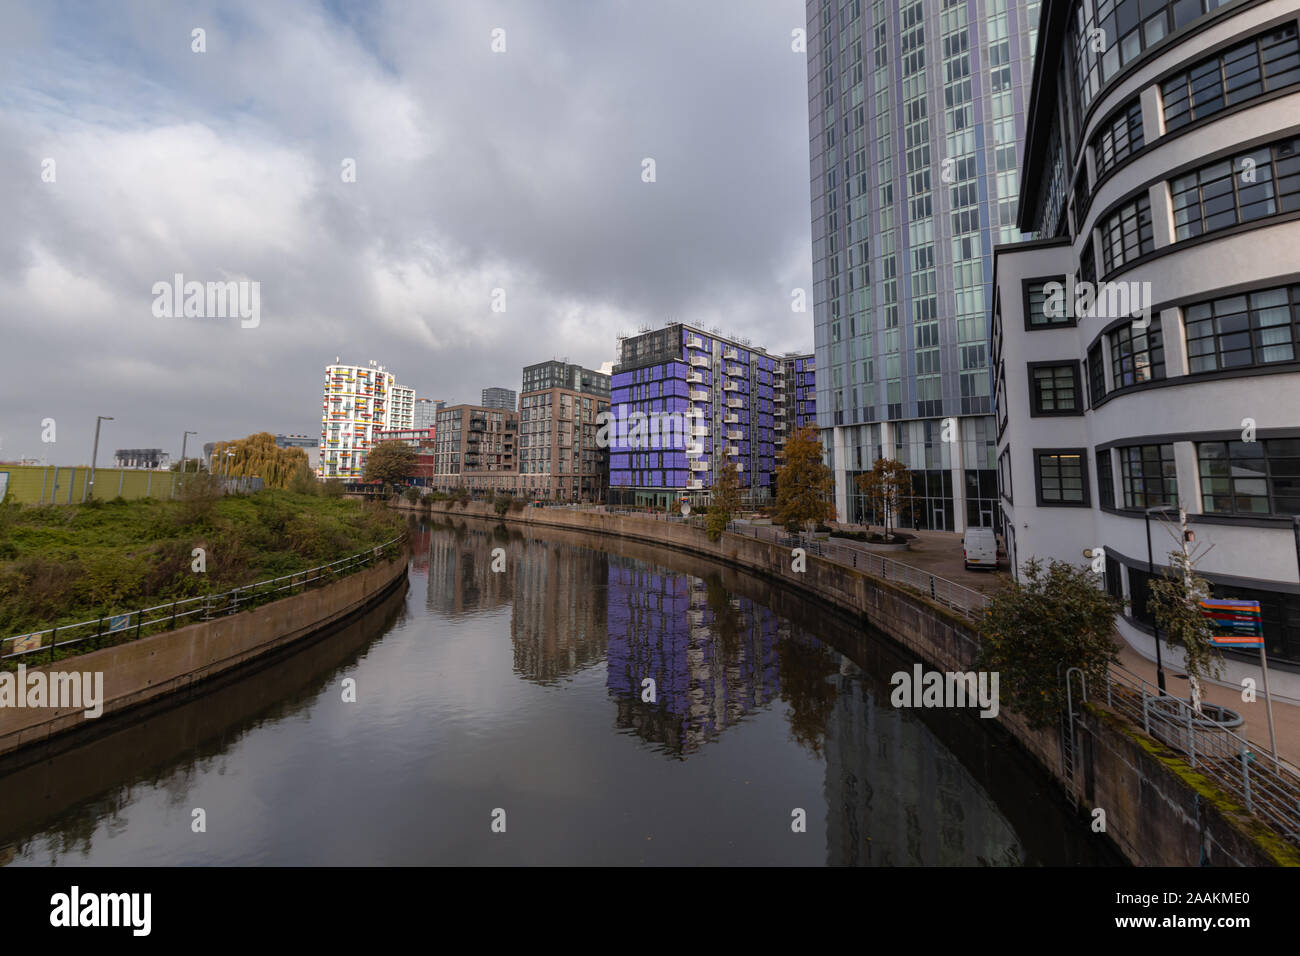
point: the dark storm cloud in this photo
(475, 170)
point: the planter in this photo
(1169, 725)
(871, 546)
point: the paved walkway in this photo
(940, 553)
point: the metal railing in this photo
(40, 646)
(1265, 787)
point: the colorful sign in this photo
(1236, 623)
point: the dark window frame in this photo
(1036, 409)
(1027, 285)
(1096, 372)
(1278, 43)
(1132, 480)
(1060, 454)
(1270, 476)
(1124, 363)
(1105, 478)
(1202, 194)
(1203, 322)
(1127, 233)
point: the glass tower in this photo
(916, 111)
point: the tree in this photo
(258, 456)
(805, 487)
(191, 466)
(887, 486)
(1033, 631)
(1175, 603)
(725, 501)
(390, 462)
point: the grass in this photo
(62, 564)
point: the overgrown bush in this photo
(502, 503)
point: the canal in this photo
(500, 710)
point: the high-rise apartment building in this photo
(915, 111)
(505, 398)
(426, 412)
(402, 407)
(560, 411)
(358, 403)
(1147, 345)
(684, 402)
(476, 448)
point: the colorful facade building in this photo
(357, 404)
(684, 402)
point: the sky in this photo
(379, 170)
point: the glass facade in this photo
(916, 110)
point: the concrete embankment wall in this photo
(1158, 812)
(141, 671)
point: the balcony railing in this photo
(729, 353)
(699, 361)
(699, 396)
(735, 403)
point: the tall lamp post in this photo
(184, 438)
(1151, 573)
(94, 454)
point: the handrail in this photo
(165, 617)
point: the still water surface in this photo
(524, 691)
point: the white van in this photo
(979, 548)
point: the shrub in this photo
(502, 503)
(1032, 631)
(333, 488)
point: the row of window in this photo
(1260, 65)
(1236, 331)
(1235, 477)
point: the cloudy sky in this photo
(476, 170)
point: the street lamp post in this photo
(184, 438)
(1151, 573)
(94, 454)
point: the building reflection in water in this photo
(712, 657)
(896, 796)
(461, 579)
(558, 623)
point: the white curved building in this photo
(1162, 177)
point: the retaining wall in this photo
(140, 671)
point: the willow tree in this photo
(258, 456)
(805, 487)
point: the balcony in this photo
(735, 435)
(699, 396)
(695, 378)
(699, 361)
(699, 466)
(735, 403)
(731, 420)
(700, 431)
(694, 342)
(730, 386)
(734, 370)
(779, 411)
(694, 485)
(779, 426)
(729, 353)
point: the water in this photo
(517, 697)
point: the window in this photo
(1096, 376)
(1136, 355)
(1054, 389)
(1105, 480)
(1118, 138)
(1061, 477)
(1247, 187)
(1259, 477)
(1148, 476)
(1126, 234)
(1262, 64)
(1238, 331)
(1037, 315)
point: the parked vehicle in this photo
(980, 549)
